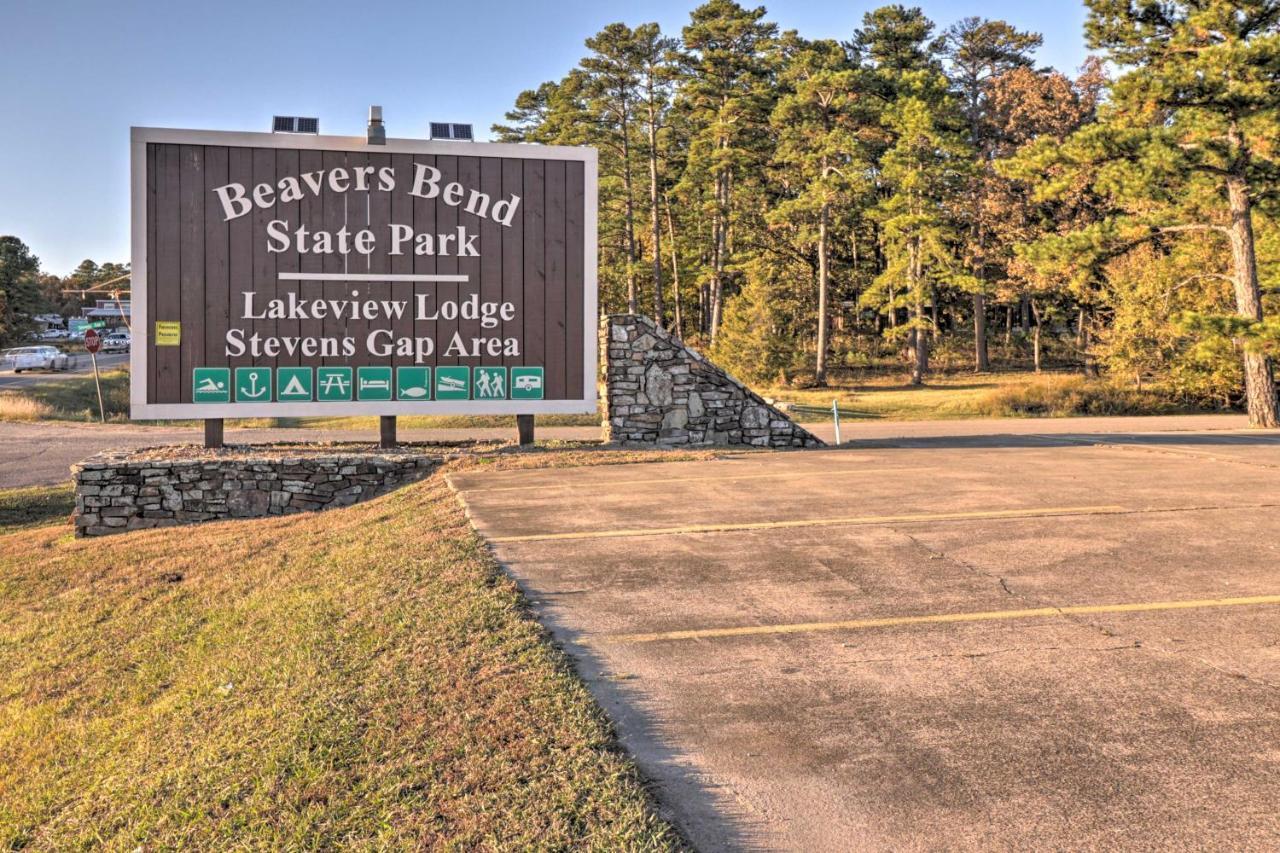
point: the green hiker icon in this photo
(491, 383)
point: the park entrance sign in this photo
(318, 275)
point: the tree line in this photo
(26, 291)
(801, 205)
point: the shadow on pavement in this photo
(1165, 439)
(684, 797)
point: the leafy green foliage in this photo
(19, 292)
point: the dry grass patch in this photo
(985, 395)
(69, 398)
(18, 407)
(364, 677)
(1066, 396)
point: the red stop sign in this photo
(92, 340)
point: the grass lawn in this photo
(364, 677)
(943, 396)
(33, 506)
(986, 395)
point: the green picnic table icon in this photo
(333, 384)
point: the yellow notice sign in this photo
(168, 333)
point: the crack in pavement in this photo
(1081, 621)
(1136, 644)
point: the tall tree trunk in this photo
(933, 310)
(704, 308)
(721, 238)
(1035, 335)
(1086, 345)
(1259, 385)
(654, 222)
(1008, 324)
(920, 365)
(633, 302)
(675, 272)
(982, 361)
(820, 368)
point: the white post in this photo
(102, 412)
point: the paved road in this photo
(83, 365)
(1030, 642)
(42, 453)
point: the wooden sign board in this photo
(322, 275)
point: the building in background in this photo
(115, 313)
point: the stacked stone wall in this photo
(121, 492)
(660, 392)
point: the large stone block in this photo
(659, 391)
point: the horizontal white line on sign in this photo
(360, 276)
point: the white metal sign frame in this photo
(140, 409)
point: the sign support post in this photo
(376, 134)
(524, 428)
(92, 340)
(102, 411)
(213, 433)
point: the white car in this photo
(37, 358)
(116, 342)
(53, 335)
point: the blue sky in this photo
(77, 75)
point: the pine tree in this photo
(980, 51)
(895, 40)
(923, 171)
(654, 56)
(727, 87)
(612, 82)
(19, 296)
(823, 126)
(1185, 144)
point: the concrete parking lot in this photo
(1010, 642)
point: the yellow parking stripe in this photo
(938, 618)
(867, 470)
(817, 522)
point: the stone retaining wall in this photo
(660, 392)
(128, 491)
